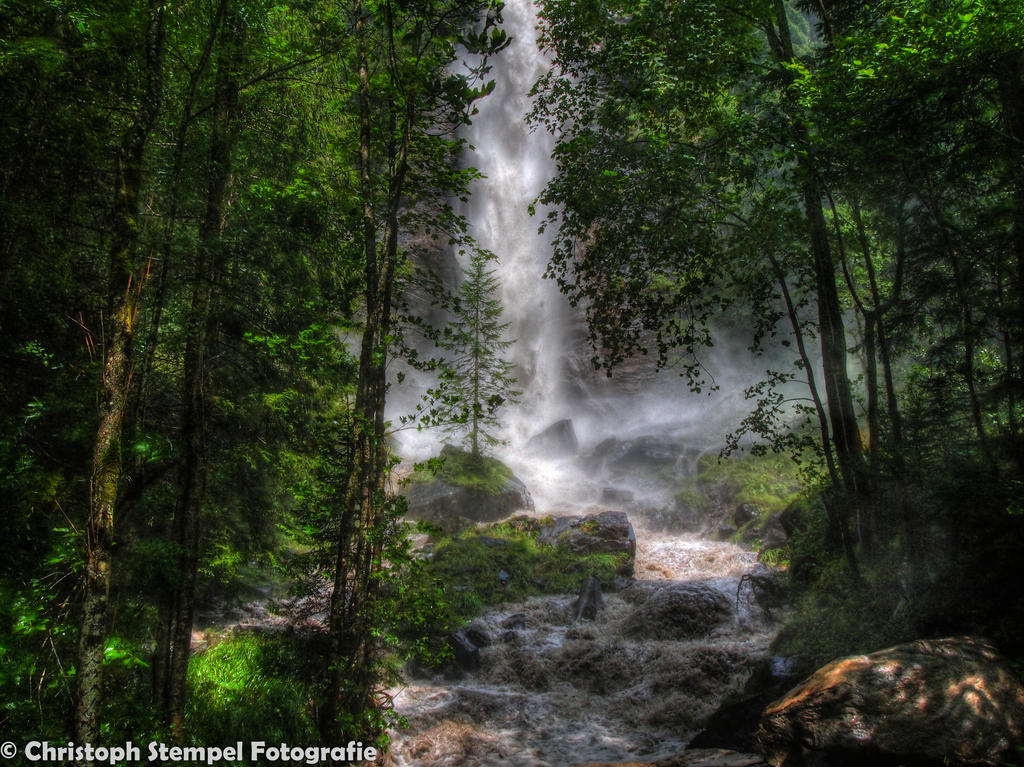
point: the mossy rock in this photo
(457, 490)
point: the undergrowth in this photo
(253, 688)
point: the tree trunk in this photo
(359, 544)
(124, 283)
(194, 453)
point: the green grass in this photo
(251, 688)
(771, 481)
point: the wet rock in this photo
(624, 456)
(950, 701)
(477, 633)
(745, 512)
(558, 439)
(764, 589)
(589, 602)
(733, 725)
(678, 611)
(606, 532)
(772, 534)
(725, 532)
(466, 654)
(514, 621)
(453, 507)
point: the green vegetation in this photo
(255, 688)
(506, 563)
(458, 467)
(769, 481)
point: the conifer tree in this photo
(478, 379)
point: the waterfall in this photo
(516, 165)
(557, 691)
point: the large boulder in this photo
(454, 507)
(558, 439)
(678, 611)
(604, 532)
(948, 701)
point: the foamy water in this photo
(560, 692)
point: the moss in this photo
(505, 563)
(465, 470)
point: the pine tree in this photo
(477, 380)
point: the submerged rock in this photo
(678, 611)
(950, 701)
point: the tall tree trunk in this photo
(831, 328)
(352, 676)
(1011, 91)
(124, 283)
(194, 452)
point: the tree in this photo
(125, 279)
(407, 102)
(476, 380)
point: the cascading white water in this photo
(551, 354)
(556, 691)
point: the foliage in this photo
(475, 379)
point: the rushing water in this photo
(560, 692)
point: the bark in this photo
(831, 328)
(124, 283)
(352, 677)
(194, 467)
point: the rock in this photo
(559, 439)
(476, 633)
(745, 512)
(514, 621)
(772, 534)
(625, 456)
(732, 726)
(678, 611)
(949, 701)
(704, 757)
(454, 507)
(589, 602)
(503, 577)
(725, 533)
(606, 532)
(467, 654)
(763, 589)
(616, 496)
